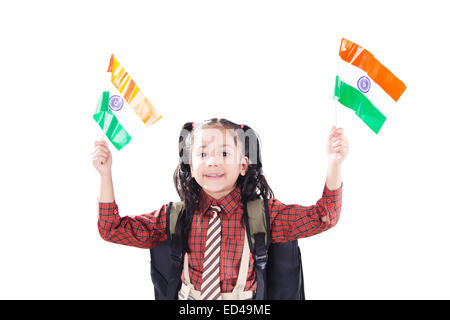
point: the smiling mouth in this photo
(214, 176)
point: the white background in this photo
(268, 64)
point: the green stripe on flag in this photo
(354, 99)
(118, 136)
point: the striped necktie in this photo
(210, 288)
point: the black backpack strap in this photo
(176, 254)
(259, 249)
(169, 208)
(260, 261)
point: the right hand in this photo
(101, 157)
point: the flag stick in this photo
(335, 111)
(336, 104)
(104, 125)
(335, 98)
(335, 120)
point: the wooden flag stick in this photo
(105, 125)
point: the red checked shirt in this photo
(288, 222)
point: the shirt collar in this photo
(228, 203)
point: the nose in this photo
(212, 160)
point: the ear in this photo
(244, 166)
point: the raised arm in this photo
(294, 221)
(143, 231)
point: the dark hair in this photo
(253, 185)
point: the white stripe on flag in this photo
(377, 96)
(126, 115)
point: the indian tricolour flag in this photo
(364, 85)
(122, 108)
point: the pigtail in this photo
(187, 187)
(254, 184)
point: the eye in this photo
(225, 153)
(201, 154)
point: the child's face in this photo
(217, 161)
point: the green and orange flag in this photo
(119, 105)
(366, 86)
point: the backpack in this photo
(279, 272)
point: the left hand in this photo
(337, 146)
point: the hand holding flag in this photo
(101, 157)
(337, 146)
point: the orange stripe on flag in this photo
(130, 88)
(110, 63)
(359, 57)
(123, 77)
(123, 84)
(132, 94)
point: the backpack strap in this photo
(172, 218)
(168, 212)
(256, 216)
(176, 252)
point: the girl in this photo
(219, 169)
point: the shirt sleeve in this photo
(142, 231)
(291, 222)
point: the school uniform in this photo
(288, 222)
